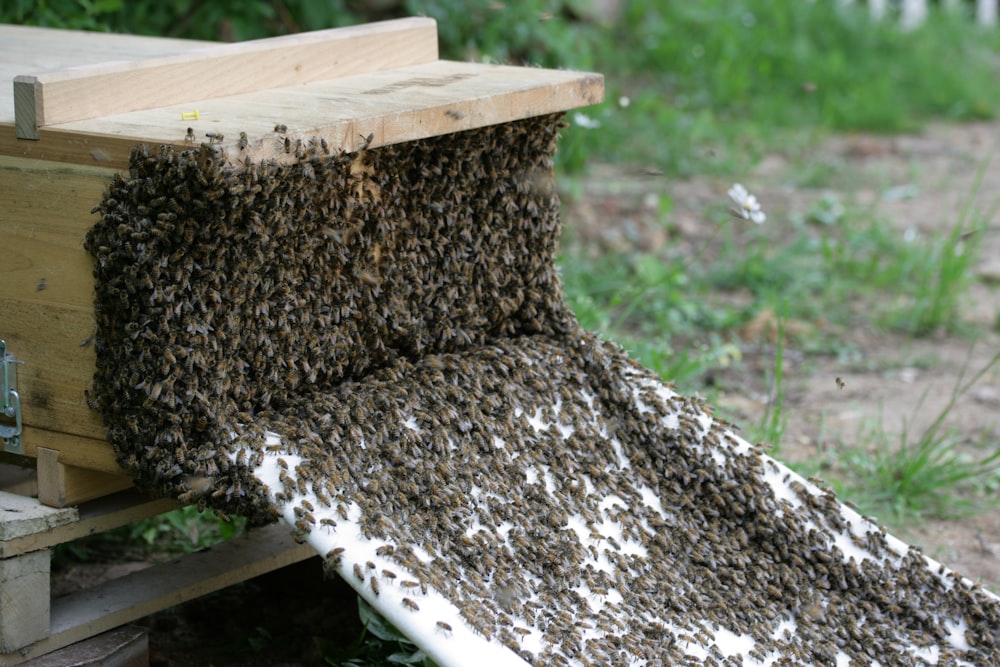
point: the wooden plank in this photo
(29, 49)
(399, 105)
(17, 478)
(90, 612)
(74, 450)
(53, 526)
(21, 517)
(61, 485)
(46, 214)
(127, 646)
(24, 600)
(57, 369)
(48, 296)
(90, 91)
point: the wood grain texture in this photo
(91, 453)
(61, 485)
(48, 294)
(40, 527)
(394, 106)
(29, 49)
(90, 91)
(109, 605)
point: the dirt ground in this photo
(920, 185)
(917, 182)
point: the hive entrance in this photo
(375, 347)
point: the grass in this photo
(180, 531)
(906, 477)
(838, 264)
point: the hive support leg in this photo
(24, 599)
(60, 485)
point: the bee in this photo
(244, 141)
(410, 604)
(523, 632)
(389, 574)
(373, 582)
(335, 555)
(840, 383)
(444, 628)
(280, 128)
(288, 145)
(215, 137)
(189, 137)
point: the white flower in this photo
(585, 121)
(747, 206)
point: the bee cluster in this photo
(395, 315)
(223, 290)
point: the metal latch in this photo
(10, 402)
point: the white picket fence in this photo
(912, 13)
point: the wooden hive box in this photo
(79, 103)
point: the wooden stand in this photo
(33, 624)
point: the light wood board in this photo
(26, 525)
(393, 106)
(61, 485)
(92, 611)
(90, 91)
(29, 49)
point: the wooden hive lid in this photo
(380, 80)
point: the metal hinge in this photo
(10, 402)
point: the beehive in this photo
(82, 101)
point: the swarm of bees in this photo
(395, 314)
